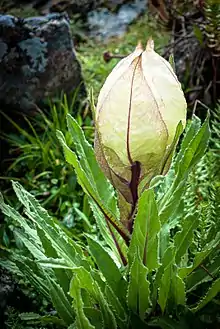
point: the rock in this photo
(105, 24)
(81, 7)
(37, 60)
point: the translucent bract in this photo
(139, 108)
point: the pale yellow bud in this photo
(138, 110)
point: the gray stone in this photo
(37, 60)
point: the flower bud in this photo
(139, 108)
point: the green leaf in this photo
(195, 149)
(89, 164)
(212, 292)
(34, 318)
(200, 257)
(145, 232)
(33, 273)
(65, 247)
(166, 323)
(192, 149)
(138, 297)
(173, 197)
(87, 283)
(13, 214)
(169, 156)
(62, 276)
(183, 238)
(201, 275)
(106, 201)
(61, 303)
(167, 261)
(108, 267)
(82, 321)
(165, 286)
(164, 240)
(172, 62)
(178, 290)
(35, 251)
(94, 316)
(198, 34)
(117, 308)
(191, 130)
(104, 230)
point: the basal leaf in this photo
(201, 274)
(108, 267)
(33, 273)
(94, 316)
(87, 282)
(200, 257)
(194, 150)
(191, 130)
(183, 238)
(20, 220)
(105, 232)
(167, 261)
(106, 205)
(89, 164)
(65, 247)
(117, 308)
(165, 286)
(178, 289)
(61, 302)
(212, 292)
(138, 297)
(63, 277)
(145, 232)
(82, 322)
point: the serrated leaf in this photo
(164, 240)
(55, 263)
(94, 316)
(104, 230)
(167, 260)
(61, 302)
(87, 282)
(166, 323)
(145, 231)
(183, 238)
(212, 292)
(195, 149)
(89, 164)
(13, 214)
(201, 274)
(200, 257)
(117, 308)
(191, 130)
(138, 297)
(35, 251)
(34, 274)
(108, 267)
(165, 285)
(192, 149)
(169, 204)
(107, 204)
(178, 290)
(50, 252)
(82, 321)
(65, 247)
(34, 318)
